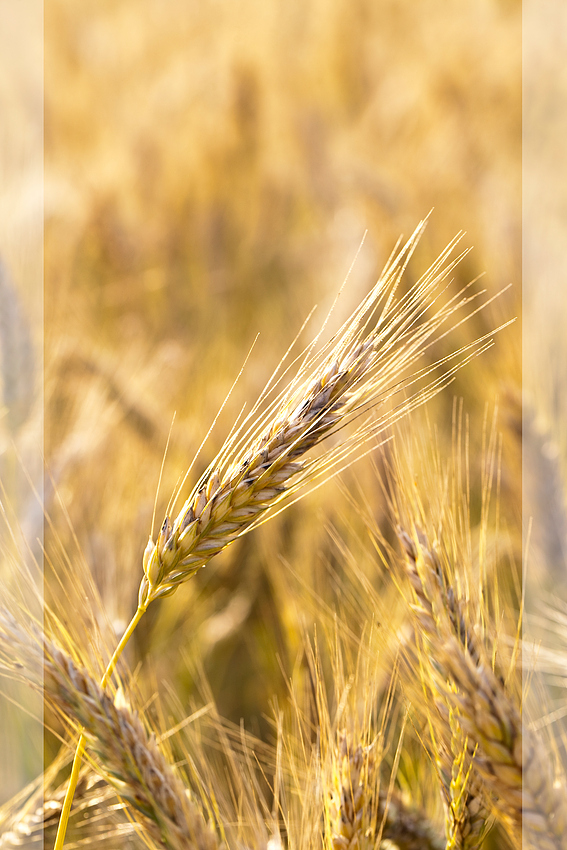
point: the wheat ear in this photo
(349, 804)
(359, 811)
(439, 612)
(362, 366)
(511, 761)
(127, 756)
(514, 765)
(29, 824)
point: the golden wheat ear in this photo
(32, 818)
(366, 367)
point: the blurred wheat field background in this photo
(210, 173)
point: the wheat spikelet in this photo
(263, 461)
(128, 756)
(511, 761)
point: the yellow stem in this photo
(73, 779)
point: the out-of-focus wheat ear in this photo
(513, 762)
(467, 815)
(28, 821)
(127, 756)
(349, 807)
(17, 356)
(438, 609)
(439, 614)
(405, 827)
(360, 812)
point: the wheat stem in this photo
(70, 793)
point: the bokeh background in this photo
(210, 172)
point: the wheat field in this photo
(284, 524)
